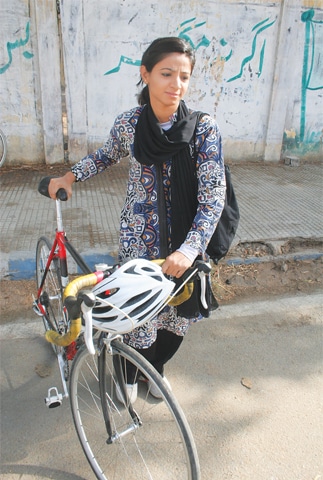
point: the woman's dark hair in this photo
(156, 52)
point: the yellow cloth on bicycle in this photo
(184, 295)
(80, 282)
(76, 324)
(69, 337)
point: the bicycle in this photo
(3, 147)
(150, 439)
(51, 279)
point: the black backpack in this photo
(228, 223)
(217, 248)
(227, 226)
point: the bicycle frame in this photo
(59, 249)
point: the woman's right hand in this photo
(64, 182)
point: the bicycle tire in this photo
(162, 448)
(52, 291)
(3, 148)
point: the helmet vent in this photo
(108, 293)
(110, 319)
(132, 270)
(157, 277)
(134, 300)
(98, 308)
(144, 305)
(148, 269)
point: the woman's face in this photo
(167, 82)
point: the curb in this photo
(21, 267)
(288, 257)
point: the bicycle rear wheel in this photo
(52, 292)
(153, 441)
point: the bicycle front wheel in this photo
(3, 148)
(52, 291)
(151, 441)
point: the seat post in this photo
(59, 218)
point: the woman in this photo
(176, 185)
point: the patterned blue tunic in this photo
(139, 223)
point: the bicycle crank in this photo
(55, 399)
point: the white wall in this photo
(19, 99)
(259, 69)
(30, 101)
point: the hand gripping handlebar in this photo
(185, 290)
(73, 302)
(61, 194)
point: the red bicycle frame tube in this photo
(59, 253)
(60, 238)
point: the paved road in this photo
(271, 431)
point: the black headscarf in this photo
(154, 146)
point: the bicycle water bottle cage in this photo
(43, 189)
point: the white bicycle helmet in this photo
(130, 296)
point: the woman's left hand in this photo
(176, 264)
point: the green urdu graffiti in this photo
(14, 45)
(186, 31)
(183, 33)
(312, 75)
(312, 63)
(259, 28)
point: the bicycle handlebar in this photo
(186, 288)
(61, 194)
(76, 301)
(73, 301)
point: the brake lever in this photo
(204, 268)
(202, 276)
(86, 307)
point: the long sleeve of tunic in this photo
(139, 222)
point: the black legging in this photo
(162, 350)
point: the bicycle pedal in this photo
(53, 400)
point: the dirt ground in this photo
(231, 284)
(271, 273)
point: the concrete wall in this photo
(30, 101)
(259, 71)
